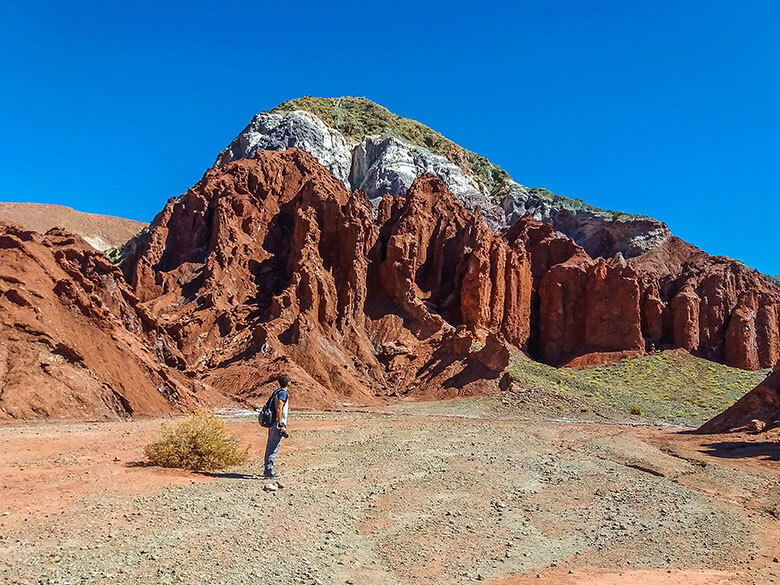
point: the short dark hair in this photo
(284, 379)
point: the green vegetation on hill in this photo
(356, 117)
(670, 386)
(774, 279)
(117, 255)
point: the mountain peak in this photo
(371, 149)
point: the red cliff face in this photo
(723, 311)
(441, 262)
(580, 306)
(74, 342)
(676, 296)
(589, 307)
(270, 265)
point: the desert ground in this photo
(417, 493)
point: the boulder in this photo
(760, 405)
(495, 355)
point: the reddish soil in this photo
(644, 576)
(54, 474)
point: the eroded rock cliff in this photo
(270, 264)
(675, 297)
(74, 342)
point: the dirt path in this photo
(378, 498)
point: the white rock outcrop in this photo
(376, 165)
(298, 129)
(389, 165)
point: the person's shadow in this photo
(229, 475)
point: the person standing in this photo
(280, 405)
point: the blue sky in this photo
(668, 109)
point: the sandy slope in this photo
(100, 231)
(385, 498)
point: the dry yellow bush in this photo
(200, 442)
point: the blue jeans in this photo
(271, 449)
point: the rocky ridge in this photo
(271, 265)
(295, 271)
(674, 297)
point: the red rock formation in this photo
(546, 246)
(685, 315)
(73, 343)
(723, 311)
(495, 355)
(588, 306)
(547, 249)
(760, 404)
(581, 306)
(767, 332)
(675, 296)
(441, 262)
(601, 358)
(270, 264)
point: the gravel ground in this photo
(383, 498)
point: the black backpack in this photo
(267, 415)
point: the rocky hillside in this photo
(102, 232)
(74, 341)
(269, 264)
(586, 311)
(272, 263)
(757, 410)
(371, 149)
